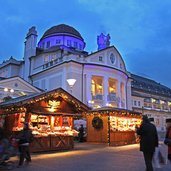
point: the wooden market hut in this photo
(50, 115)
(112, 125)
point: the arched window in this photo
(112, 58)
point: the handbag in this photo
(167, 141)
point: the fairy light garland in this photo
(34, 100)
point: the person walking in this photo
(168, 135)
(148, 141)
(81, 133)
(25, 138)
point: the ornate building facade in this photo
(58, 60)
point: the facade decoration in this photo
(103, 41)
(97, 122)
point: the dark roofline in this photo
(149, 86)
(11, 60)
(62, 29)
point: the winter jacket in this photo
(148, 137)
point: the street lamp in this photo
(71, 83)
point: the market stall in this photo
(112, 126)
(50, 116)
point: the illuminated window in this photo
(97, 85)
(92, 87)
(112, 86)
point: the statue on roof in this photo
(103, 41)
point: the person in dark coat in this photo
(148, 141)
(168, 135)
(81, 133)
(25, 139)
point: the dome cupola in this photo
(62, 35)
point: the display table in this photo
(51, 143)
(122, 138)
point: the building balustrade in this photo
(52, 63)
(164, 107)
(97, 97)
(147, 104)
(156, 106)
(113, 98)
(122, 104)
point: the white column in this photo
(119, 92)
(105, 90)
(124, 95)
(88, 88)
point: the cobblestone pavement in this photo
(90, 157)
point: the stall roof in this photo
(24, 100)
(112, 109)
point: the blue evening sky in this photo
(139, 29)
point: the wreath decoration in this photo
(97, 122)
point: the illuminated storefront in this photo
(50, 116)
(112, 126)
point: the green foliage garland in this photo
(97, 122)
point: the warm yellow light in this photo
(71, 82)
(91, 101)
(153, 100)
(98, 106)
(108, 104)
(100, 86)
(22, 93)
(12, 90)
(5, 89)
(51, 109)
(53, 103)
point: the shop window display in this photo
(124, 123)
(43, 125)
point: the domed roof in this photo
(62, 29)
